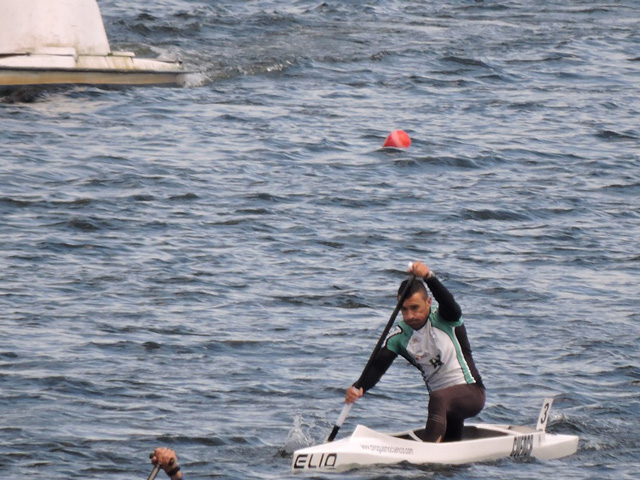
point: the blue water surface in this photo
(209, 267)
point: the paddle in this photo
(154, 472)
(347, 406)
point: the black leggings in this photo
(448, 409)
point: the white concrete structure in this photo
(64, 42)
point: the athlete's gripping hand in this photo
(168, 460)
(420, 270)
(353, 394)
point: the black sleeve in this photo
(378, 367)
(447, 306)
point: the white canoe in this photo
(480, 443)
(45, 42)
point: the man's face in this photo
(415, 310)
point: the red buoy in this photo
(397, 139)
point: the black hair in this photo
(416, 286)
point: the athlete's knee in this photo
(435, 429)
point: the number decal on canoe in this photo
(544, 414)
(522, 446)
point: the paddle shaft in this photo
(374, 354)
(154, 472)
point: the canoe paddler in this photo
(434, 340)
(168, 461)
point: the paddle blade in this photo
(333, 433)
(341, 419)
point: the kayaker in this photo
(168, 461)
(433, 339)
